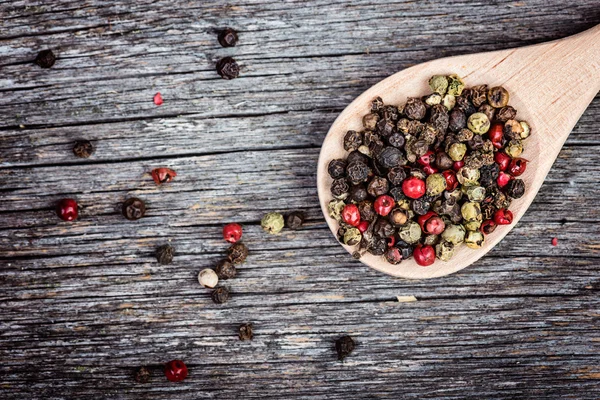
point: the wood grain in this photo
(83, 305)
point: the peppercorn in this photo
(378, 186)
(67, 209)
(439, 84)
(468, 176)
(455, 85)
(424, 255)
(474, 193)
(220, 295)
(357, 172)
(478, 123)
(45, 59)
(133, 209)
(344, 346)
(142, 375)
(498, 97)
(526, 130)
(488, 174)
(439, 118)
(356, 156)
(386, 127)
(393, 255)
(433, 99)
(245, 332)
(352, 237)
(378, 246)
(228, 68)
(488, 110)
(232, 232)
(390, 157)
(410, 232)
(225, 270)
(176, 371)
(353, 140)
(294, 220)
(517, 166)
(464, 135)
(337, 168)
(383, 205)
(457, 151)
(478, 95)
(471, 211)
(474, 239)
(376, 104)
(340, 188)
(164, 254)
(454, 234)
(272, 223)
(366, 210)
(83, 148)
(162, 175)
(443, 160)
(396, 140)
(503, 217)
(208, 278)
(465, 105)
(370, 121)
(415, 109)
(457, 120)
(513, 129)
(228, 37)
(487, 210)
(514, 148)
(237, 253)
(413, 187)
(363, 226)
(472, 225)
(444, 250)
(351, 214)
(398, 217)
(506, 113)
(488, 227)
(405, 249)
(515, 188)
(449, 101)
(436, 184)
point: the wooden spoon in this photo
(550, 85)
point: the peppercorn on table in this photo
(153, 126)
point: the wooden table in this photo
(84, 304)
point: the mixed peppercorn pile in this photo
(429, 175)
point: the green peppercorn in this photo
(436, 184)
(457, 151)
(431, 240)
(513, 129)
(464, 135)
(444, 250)
(455, 85)
(472, 225)
(478, 123)
(468, 176)
(404, 204)
(410, 233)
(474, 193)
(498, 97)
(471, 211)
(526, 130)
(433, 99)
(514, 148)
(335, 208)
(273, 223)
(474, 239)
(439, 84)
(449, 101)
(454, 234)
(352, 237)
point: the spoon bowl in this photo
(550, 86)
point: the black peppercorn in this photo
(506, 113)
(383, 228)
(370, 121)
(133, 209)
(515, 188)
(465, 105)
(357, 172)
(353, 140)
(487, 210)
(397, 193)
(405, 248)
(415, 109)
(142, 375)
(225, 270)
(340, 188)
(336, 168)
(245, 332)
(478, 95)
(386, 127)
(358, 193)
(390, 113)
(228, 37)
(237, 253)
(83, 148)
(443, 161)
(344, 346)
(45, 59)
(396, 175)
(439, 118)
(488, 174)
(220, 295)
(294, 220)
(396, 140)
(393, 255)
(420, 206)
(377, 246)
(390, 157)
(377, 104)
(228, 68)
(378, 186)
(357, 156)
(164, 254)
(366, 210)
(488, 110)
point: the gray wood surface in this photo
(82, 305)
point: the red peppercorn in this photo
(451, 181)
(427, 158)
(554, 241)
(158, 100)
(431, 224)
(496, 134)
(176, 371)
(392, 241)
(488, 227)
(503, 179)
(413, 187)
(66, 209)
(163, 175)
(503, 160)
(422, 219)
(351, 215)
(232, 232)
(384, 204)
(424, 255)
(458, 165)
(428, 169)
(363, 226)
(503, 217)
(517, 166)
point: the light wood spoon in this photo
(550, 84)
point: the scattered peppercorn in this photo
(232, 232)
(158, 100)
(272, 223)
(228, 68)
(164, 254)
(220, 295)
(225, 270)
(344, 346)
(45, 59)
(83, 149)
(67, 209)
(237, 253)
(245, 332)
(208, 278)
(133, 209)
(294, 220)
(176, 371)
(142, 375)
(431, 174)
(162, 175)
(554, 241)
(228, 37)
